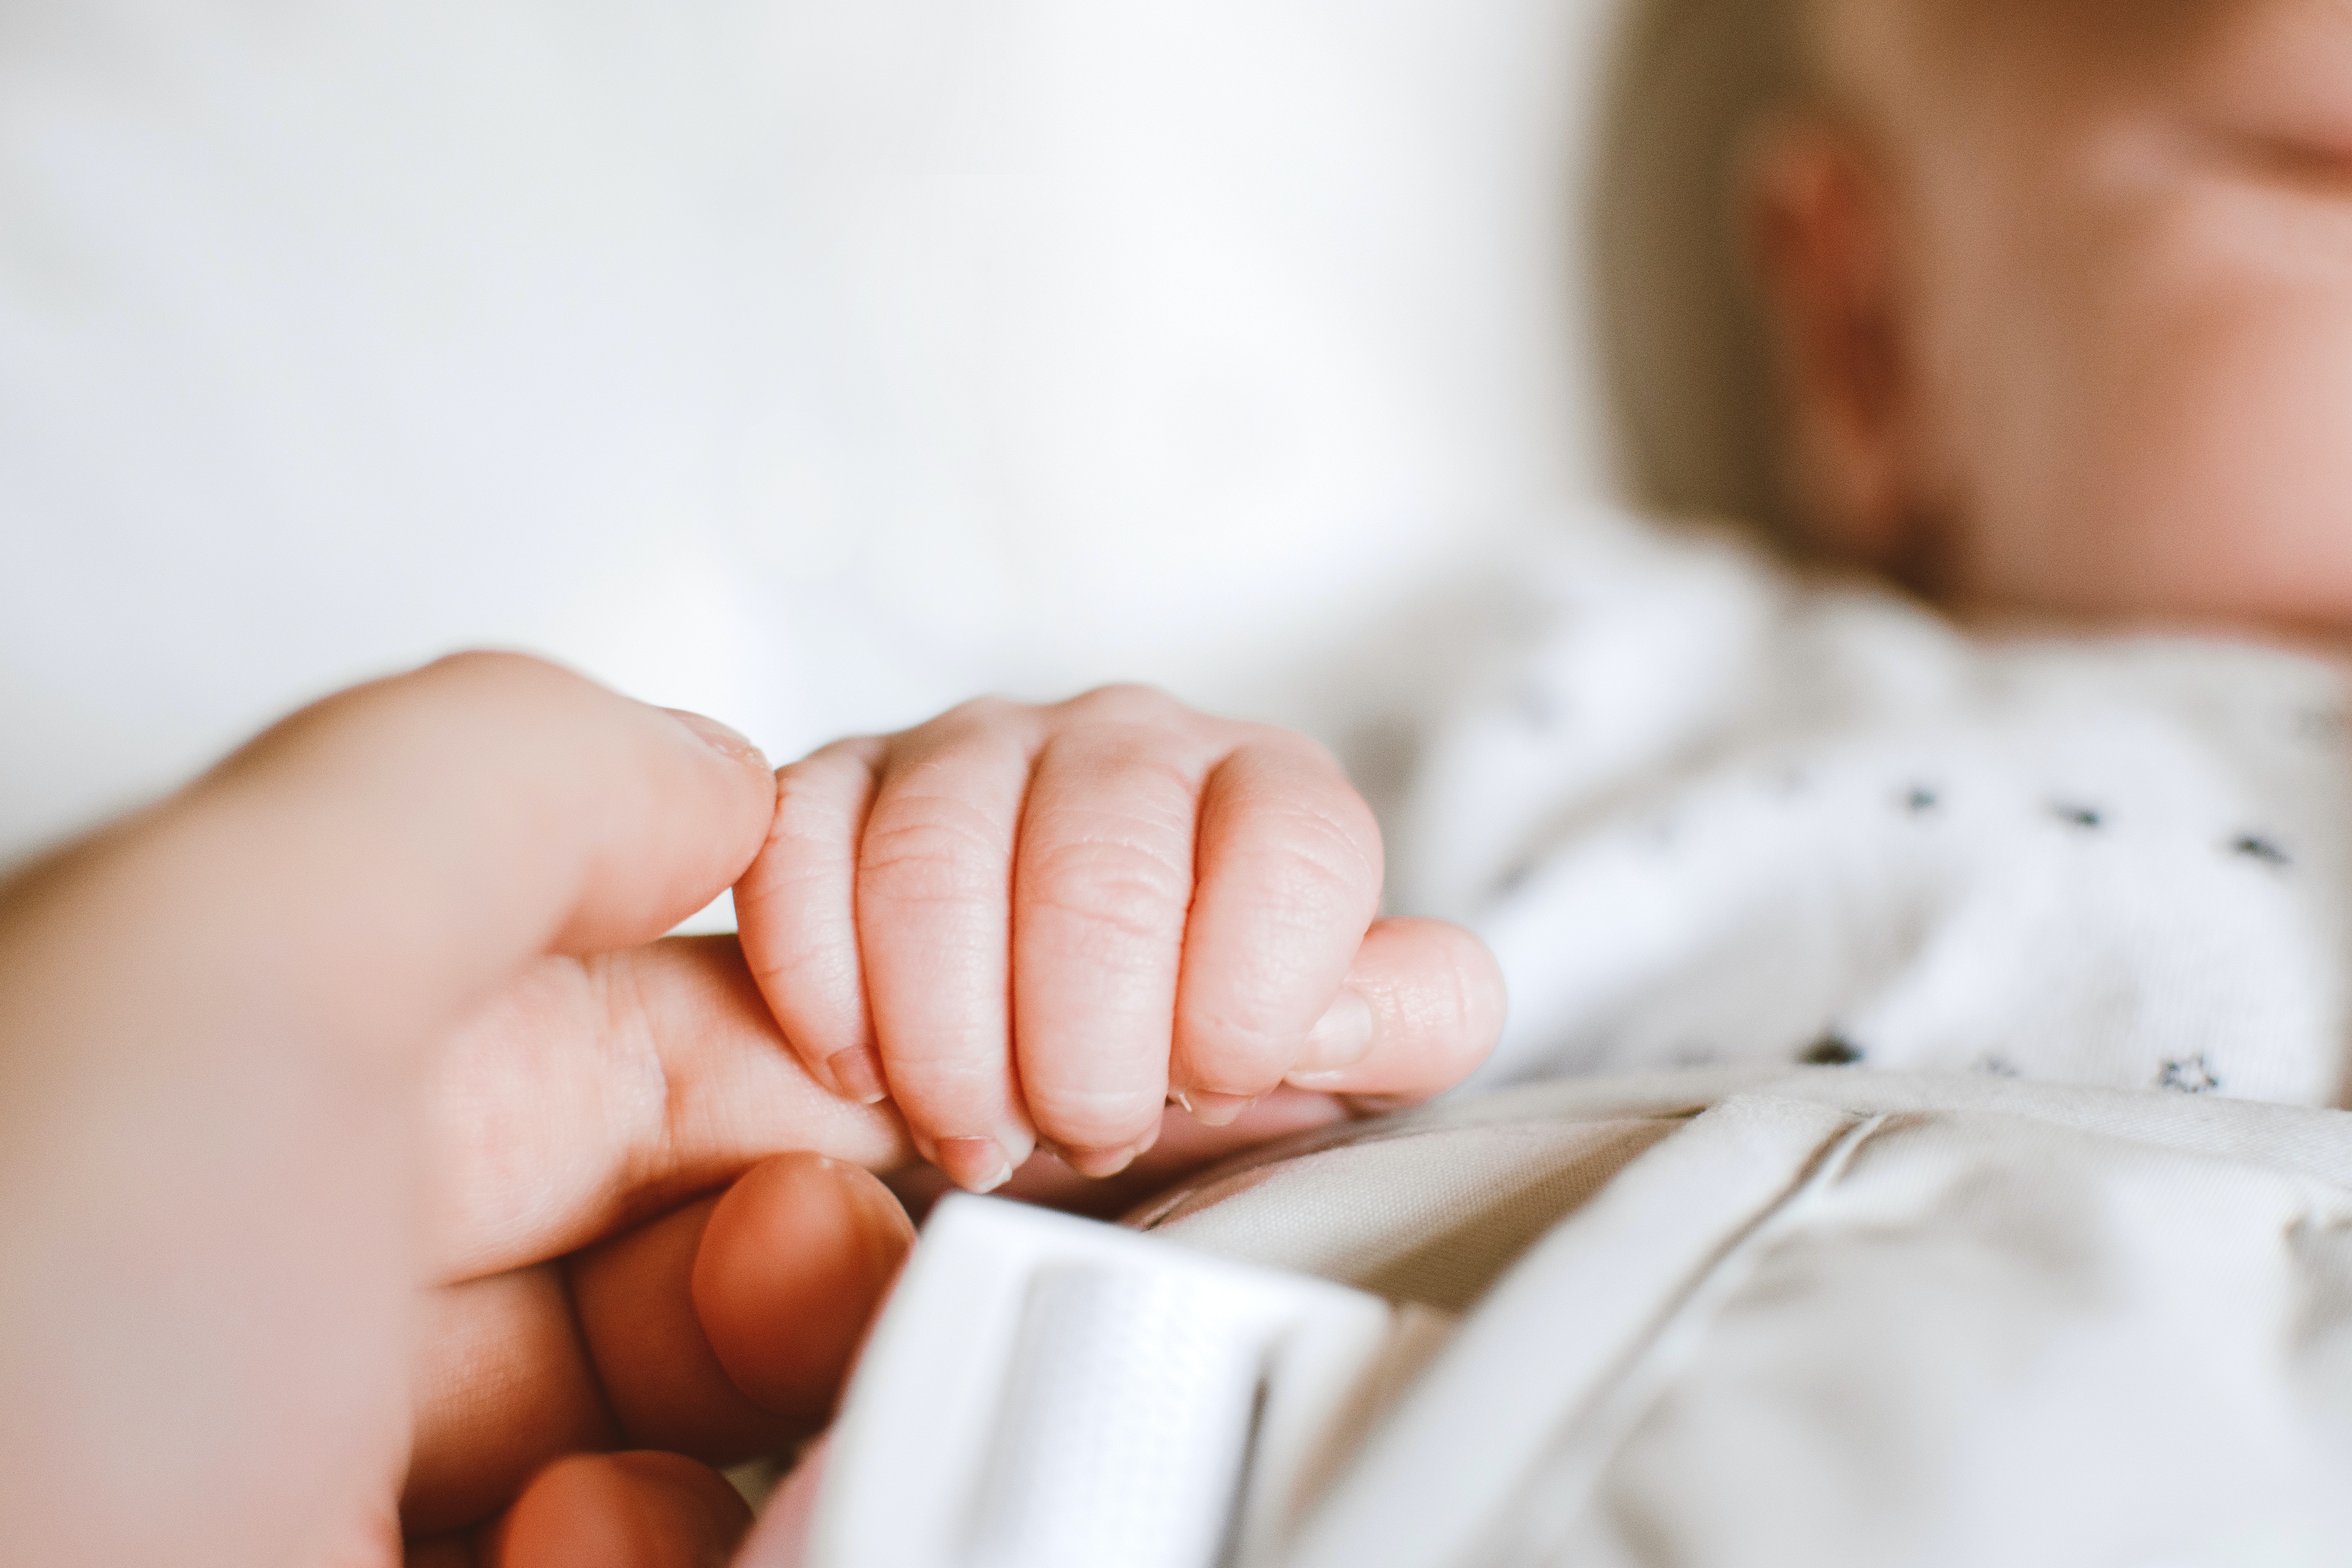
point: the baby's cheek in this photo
(2198, 462)
(2231, 489)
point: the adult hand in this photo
(344, 1124)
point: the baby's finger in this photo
(797, 910)
(1421, 1007)
(1289, 877)
(934, 911)
(1100, 890)
(1183, 1147)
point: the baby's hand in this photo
(1045, 923)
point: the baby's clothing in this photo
(1709, 811)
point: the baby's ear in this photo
(1822, 235)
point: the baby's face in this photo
(2121, 283)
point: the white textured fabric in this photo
(1125, 1426)
(1706, 811)
(1044, 1391)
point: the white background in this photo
(812, 365)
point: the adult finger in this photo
(592, 1094)
(794, 1263)
(797, 910)
(725, 1331)
(664, 1385)
(517, 807)
(1421, 1006)
(721, 1330)
(242, 988)
(645, 1510)
(1101, 892)
(1289, 880)
(502, 1386)
(934, 912)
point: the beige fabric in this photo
(1991, 1341)
(1841, 1318)
(1427, 1216)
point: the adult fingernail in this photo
(857, 1075)
(719, 736)
(975, 1164)
(1340, 1039)
(1218, 1110)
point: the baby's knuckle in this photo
(1275, 741)
(1315, 863)
(1125, 701)
(929, 857)
(1124, 888)
(811, 806)
(986, 713)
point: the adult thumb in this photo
(215, 1019)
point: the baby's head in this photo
(2060, 300)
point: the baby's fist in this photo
(1026, 924)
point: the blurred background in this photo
(818, 365)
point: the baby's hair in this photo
(1686, 356)
(1684, 350)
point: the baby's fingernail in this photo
(1097, 1164)
(857, 1075)
(1218, 1110)
(975, 1164)
(1340, 1039)
(719, 736)
(1178, 1096)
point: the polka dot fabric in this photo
(1711, 812)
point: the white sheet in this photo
(817, 365)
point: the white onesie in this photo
(1709, 811)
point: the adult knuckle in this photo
(500, 664)
(480, 686)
